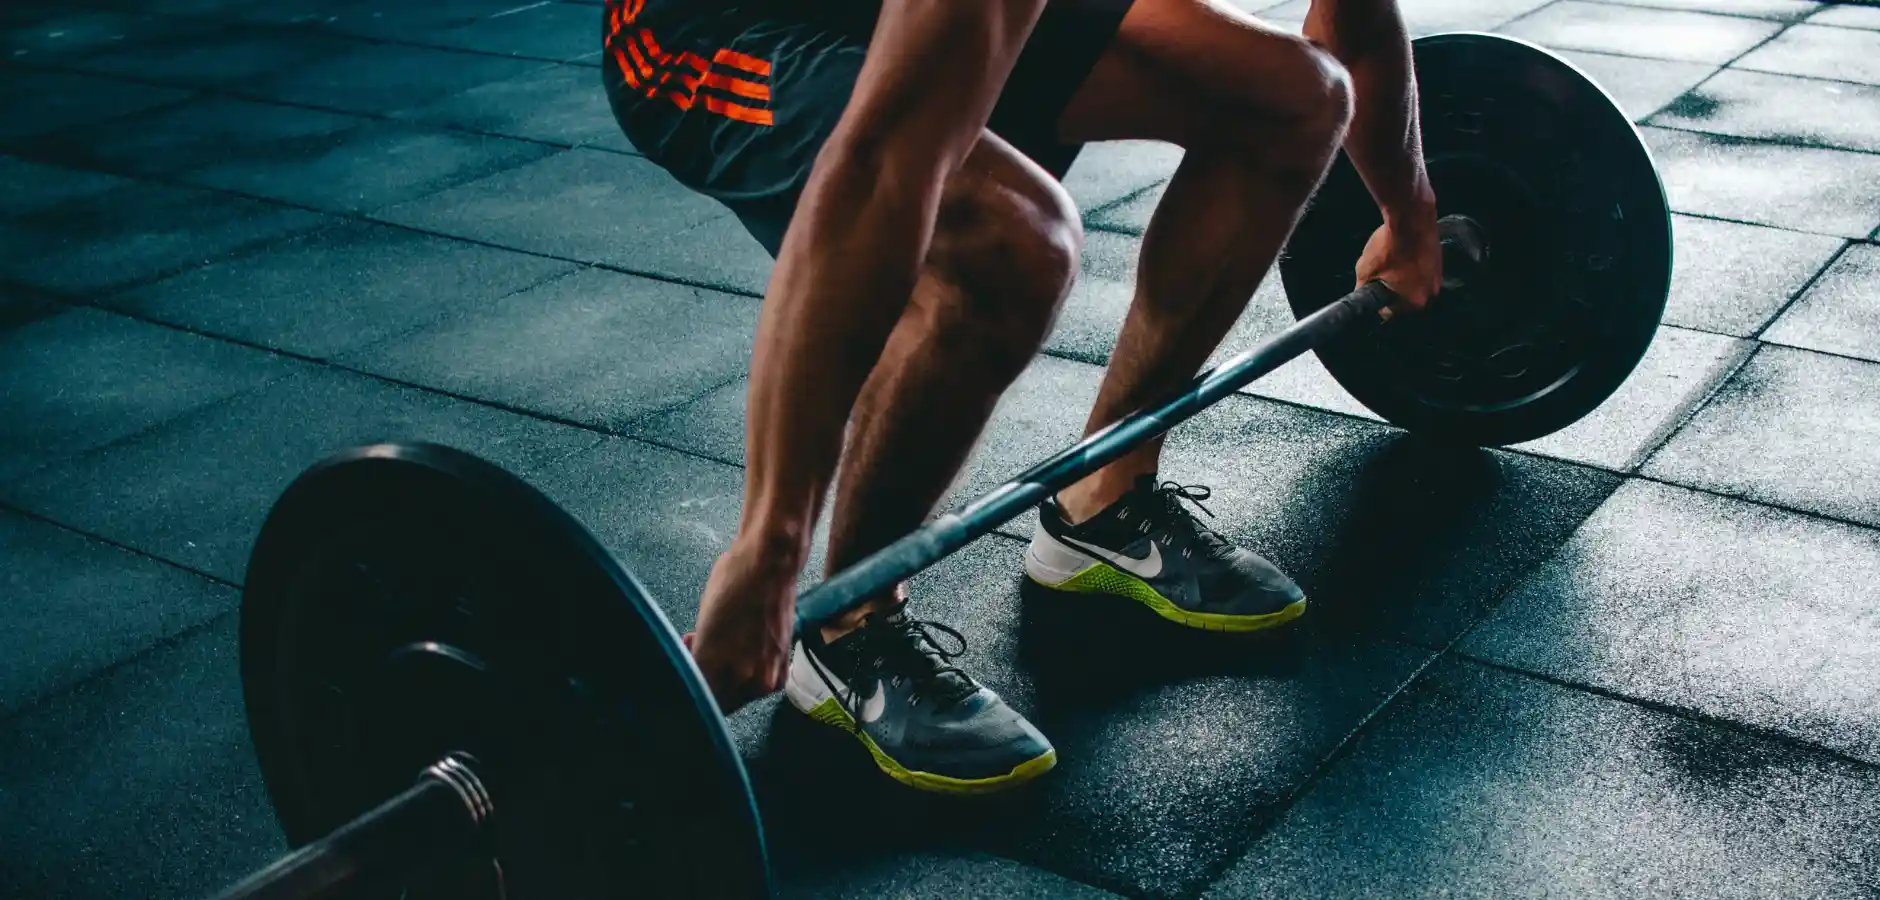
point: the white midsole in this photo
(1052, 562)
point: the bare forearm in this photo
(1384, 141)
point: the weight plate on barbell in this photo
(407, 601)
(1579, 251)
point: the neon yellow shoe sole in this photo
(829, 712)
(1103, 578)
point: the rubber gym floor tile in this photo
(1841, 312)
(385, 78)
(1387, 534)
(933, 876)
(58, 399)
(580, 204)
(197, 133)
(1648, 600)
(369, 167)
(409, 22)
(1129, 216)
(1792, 428)
(338, 289)
(196, 490)
(137, 233)
(1484, 783)
(1799, 188)
(1678, 373)
(1432, 16)
(718, 253)
(75, 606)
(75, 33)
(551, 31)
(665, 515)
(1732, 279)
(1847, 15)
(228, 57)
(1781, 108)
(1173, 745)
(1777, 10)
(1109, 171)
(142, 783)
(20, 304)
(27, 187)
(38, 103)
(1093, 316)
(1640, 86)
(562, 105)
(595, 347)
(1637, 31)
(1843, 54)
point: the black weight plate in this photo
(1579, 239)
(405, 601)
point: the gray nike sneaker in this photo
(1149, 547)
(927, 723)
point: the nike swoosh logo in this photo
(1147, 567)
(872, 708)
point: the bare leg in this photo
(1260, 113)
(1004, 254)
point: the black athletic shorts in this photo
(736, 97)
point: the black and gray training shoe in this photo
(1149, 547)
(927, 723)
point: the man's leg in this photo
(1004, 254)
(1259, 113)
(1002, 259)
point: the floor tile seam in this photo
(1435, 655)
(9, 483)
(1534, 12)
(315, 29)
(1796, 143)
(340, 217)
(1712, 217)
(1799, 293)
(1742, 351)
(162, 642)
(1690, 714)
(65, 691)
(1127, 198)
(1776, 506)
(221, 92)
(1282, 807)
(1637, 4)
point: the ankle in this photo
(1084, 500)
(854, 619)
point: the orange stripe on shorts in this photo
(738, 86)
(736, 60)
(738, 111)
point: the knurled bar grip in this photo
(439, 818)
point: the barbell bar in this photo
(413, 612)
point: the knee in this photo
(1007, 258)
(1304, 129)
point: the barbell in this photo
(454, 689)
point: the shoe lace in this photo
(911, 650)
(1175, 516)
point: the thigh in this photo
(1183, 70)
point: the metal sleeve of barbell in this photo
(940, 538)
(432, 820)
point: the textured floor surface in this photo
(1637, 658)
